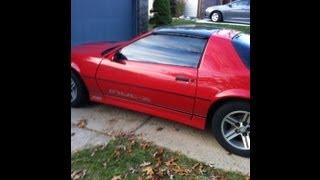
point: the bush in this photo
(177, 7)
(162, 14)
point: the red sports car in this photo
(193, 75)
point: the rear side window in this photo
(241, 43)
(166, 49)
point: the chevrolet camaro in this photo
(191, 74)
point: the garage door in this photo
(102, 20)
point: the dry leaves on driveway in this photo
(82, 123)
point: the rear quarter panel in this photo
(221, 74)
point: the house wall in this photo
(191, 8)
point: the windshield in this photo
(241, 43)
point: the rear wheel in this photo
(231, 127)
(79, 95)
(216, 16)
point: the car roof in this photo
(200, 31)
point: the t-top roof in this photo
(201, 31)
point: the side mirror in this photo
(118, 57)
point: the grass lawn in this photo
(129, 158)
(245, 29)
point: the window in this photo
(242, 45)
(166, 49)
(240, 3)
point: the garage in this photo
(106, 20)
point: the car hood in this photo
(93, 49)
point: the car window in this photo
(166, 49)
(240, 3)
(241, 43)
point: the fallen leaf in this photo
(78, 174)
(158, 153)
(104, 164)
(145, 164)
(195, 166)
(82, 123)
(116, 177)
(145, 145)
(139, 178)
(170, 175)
(148, 171)
(159, 128)
(132, 170)
(211, 165)
(171, 162)
(247, 177)
(94, 152)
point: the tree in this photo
(162, 14)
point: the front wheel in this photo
(216, 16)
(79, 95)
(231, 127)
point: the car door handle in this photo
(183, 78)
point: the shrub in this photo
(177, 7)
(162, 14)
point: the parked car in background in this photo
(236, 11)
(195, 75)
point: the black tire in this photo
(217, 119)
(215, 14)
(81, 99)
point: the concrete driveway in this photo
(197, 144)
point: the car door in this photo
(158, 70)
(237, 11)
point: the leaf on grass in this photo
(82, 123)
(145, 145)
(171, 162)
(116, 177)
(145, 164)
(195, 166)
(148, 171)
(159, 128)
(247, 177)
(77, 174)
(132, 170)
(158, 153)
(104, 164)
(139, 178)
(170, 175)
(94, 152)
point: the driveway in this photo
(197, 144)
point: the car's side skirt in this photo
(187, 119)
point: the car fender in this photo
(75, 67)
(233, 93)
